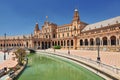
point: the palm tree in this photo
(20, 55)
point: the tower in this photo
(76, 23)
(75, 27)
(36, 28)
(76, 16)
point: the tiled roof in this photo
(102, 23)
(66, 25)
(14, 37)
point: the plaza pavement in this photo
(109, 58)
(2, 56)
(9, 62)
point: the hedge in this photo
(57, 47)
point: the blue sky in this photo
(19, 17)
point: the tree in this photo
(20, 55)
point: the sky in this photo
(18, 17)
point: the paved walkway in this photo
(9, 62)
(2, 56)
(109, 58)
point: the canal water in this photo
(43, 67)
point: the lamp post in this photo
(68, 48)
(98, 57)
(4, 46)
(68, 51)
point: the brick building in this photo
(75, 35)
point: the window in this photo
(74, 28)
(63, 35)
(58, 35)
(53, 35)
(68, 28)
(67, 34)
(46, 36)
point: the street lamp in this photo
(4, 46)
(68, 51)
(68, 48)
(98, 43)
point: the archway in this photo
(1, 45)
(91, 42)
(104, 40)
(42, 45)
(27, 44)
(61, 43)
(81, 42)
(49, 44)
(86, 42)
(67, 42)
(39, 45)
(97, 41)
(15, 45)
(45, 45)
(64, 43)
(10, 45)
(72, 43)
(113, 40)
(58, 42)
(35, 45)
(7, 45)
(52, 43)
(55, 43)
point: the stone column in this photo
(47, 44)
(94, 42)
(60, 42)
(83, 42)
(51, 44)
(108, 41)
(57, 42)
(78, 43)
(66, 44)
(75, 43)
(88, 42)
(69, 43)
(119, 42)
(117, 37)
(63, 43)
(54, 43)
(101, 40)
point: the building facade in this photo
(76, 35)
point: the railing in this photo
(102, 65)
(113, 69)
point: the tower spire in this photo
(46, 22)
(36, 27)
(46, 18)
(76, 15)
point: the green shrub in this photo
(57, 47)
